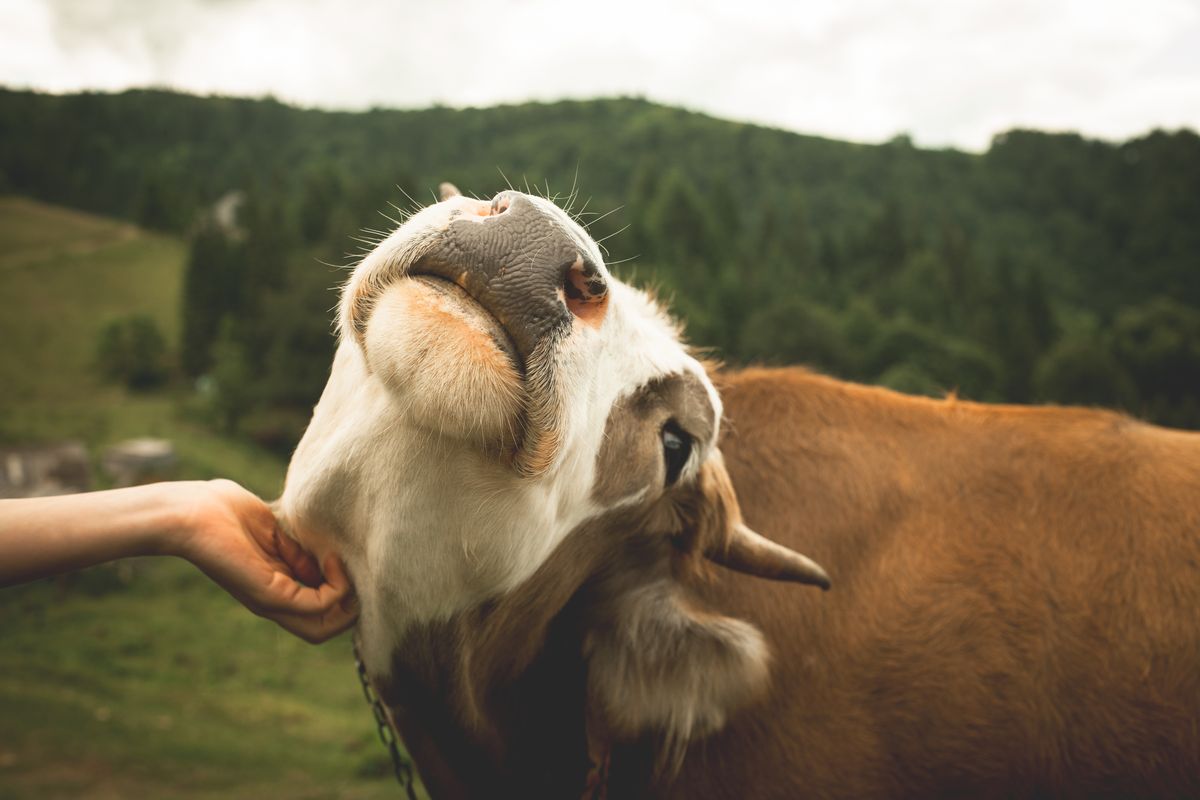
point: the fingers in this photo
(302, 563)
(284, 595)
(312, 613)
(322, 627)
(335, 574)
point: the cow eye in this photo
(677, 446)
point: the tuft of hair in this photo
(668, 668)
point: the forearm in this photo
(226, 531)
(48, 535)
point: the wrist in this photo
(176, 511)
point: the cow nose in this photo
(524, 264)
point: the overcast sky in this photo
(949, 72)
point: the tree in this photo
(792, 330)
(161, 204)
(1081, 370)
(212, 289)
(1158, 343)
(297, 337)
(886, 242)
(681, 226)
(952, 362)
(233, 386)
(131, 350)
(911, 379)
(320, 195)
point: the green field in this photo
(146, 680)
(63, 275)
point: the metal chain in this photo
(400, 765)
(597, 779)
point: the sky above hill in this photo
(948, 74)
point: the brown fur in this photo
(1014, 613)
(498, 700)
(1014, 610)
(605, 642)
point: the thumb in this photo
(302, 563)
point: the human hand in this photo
(232, 536)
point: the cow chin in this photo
(449, 361)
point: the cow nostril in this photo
(501, 203)
(585, 291)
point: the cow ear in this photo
(658, 664)
(726, 540)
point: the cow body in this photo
(1016, 609)
(1015, 614)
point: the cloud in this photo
(948, 73)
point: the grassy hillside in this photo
(63, 275)
(146, 680)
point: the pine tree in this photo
(211, 290)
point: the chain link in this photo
(400, 765)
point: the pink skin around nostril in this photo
(585, 295)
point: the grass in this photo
(160, 685)
(146, 680)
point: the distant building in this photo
(43, 470)
(225, 214)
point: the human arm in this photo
(220, 527)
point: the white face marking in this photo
(394, 472)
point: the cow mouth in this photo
(478, 312)
(535, 434)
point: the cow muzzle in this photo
(523, 264)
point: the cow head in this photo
(498, 397)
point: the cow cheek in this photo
(444, 366)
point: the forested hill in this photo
(1051, 267)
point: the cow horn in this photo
(752, 553)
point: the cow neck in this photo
(495, 698)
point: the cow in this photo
(584, 555)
